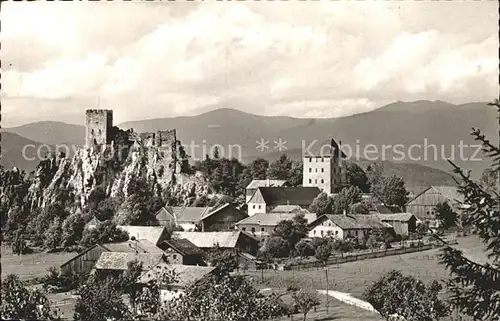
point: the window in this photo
(253, 229)
(336, 232)
(244, 229)
(329, 224)
(322, 170)
(310, 159)
(315, 181)
(310, 181)
(259, 207)
(253, 206)
(310, 170)
(262, 229)
(322, 181)
(322, 233)
(314, 232)
(175, 256)
(316, 170)
(322, 159)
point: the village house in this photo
(165, 216)
(342, 226)
(423, 205)
(185, 275)
(234, 240)
(85, 261)
(182, 252)
(154, 234)
(402, 223)
(256, 183)
(114, 264)
(265, 199)
(261, 225)
(206, 219)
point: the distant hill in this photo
(51, 132)
(12, 152)
(432, 122)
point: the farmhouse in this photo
(261, 225)
(234, 240)
(84, 262)
(182, 252)
(256, 183)
(206, 219)
(423, 205)
(265, 199)
(184, 276)
(115, 263)
(344, 226)
(402, 223)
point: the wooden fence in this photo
(365, 255)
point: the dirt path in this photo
(349, 299)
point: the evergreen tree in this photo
(475, 286)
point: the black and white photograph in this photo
(250, 160)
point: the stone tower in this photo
(98, 125)
(324, 169)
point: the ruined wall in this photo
(98, 124)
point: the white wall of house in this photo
(325, 229)
(168, 295)
(187, 227)
(254, 208)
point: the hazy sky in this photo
(303, 59)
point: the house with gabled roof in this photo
(182, 251)
(261, 225)
(230, 240)
(256, 183)
(343, 226)
(423, 205)
(85, 261)
(265, 199)
(165, 216)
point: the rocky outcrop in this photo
(92, 167)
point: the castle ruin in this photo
(98, 125)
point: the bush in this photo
(56, 282)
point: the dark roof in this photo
(395, 217)
(183, 246)
(285, 195)
(385, 209)
(322, 149)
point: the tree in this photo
(445, 215)
(295, 174)
(322, 204)
(130, 284)
(293, 230)
(72, 229)
(305, 301)
(474, 286)
(323, 252)
(100, 300)
(359, 208)
(225, 260)
(374, 173)
(223, 298)
(489, 180)
(345, 199)
(407, 297)
(276, 247)
(280, 168)
(22, 303)
(103, 232)
(258, 168)
(356, 176)
(390, 190)
(106, 209)
(304, 248)
(53, 235)
(422, 229)
(18, 243)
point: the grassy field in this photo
(30, 266)
(355, 277)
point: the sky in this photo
(301, 59)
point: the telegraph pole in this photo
(327, 295)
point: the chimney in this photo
(287, 202)
(345, 213)
(268, 182)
